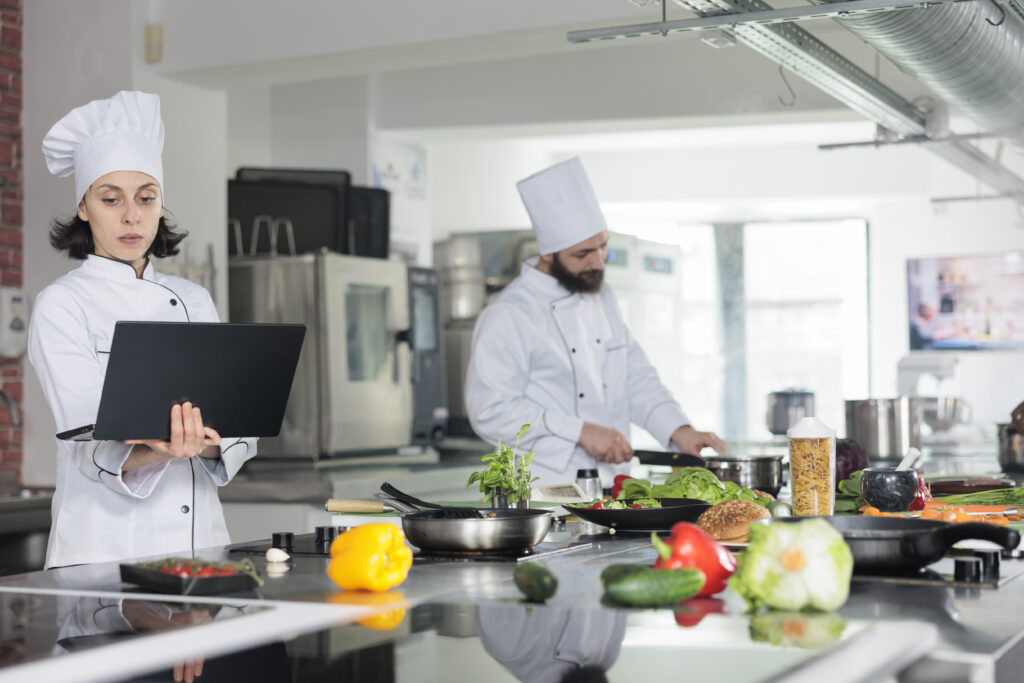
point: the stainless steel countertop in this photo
(979, 631)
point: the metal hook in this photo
(1002, 15)
(792, 95)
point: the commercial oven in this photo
(354, 389)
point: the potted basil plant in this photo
(506, 479)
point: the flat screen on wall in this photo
(966, 302)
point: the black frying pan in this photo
(670, 459)
(645, 519)
(903, 545)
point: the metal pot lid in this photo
(792, 392)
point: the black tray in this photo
(645, 519)
(154, 580)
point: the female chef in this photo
(116, 500)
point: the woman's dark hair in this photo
(75, 237)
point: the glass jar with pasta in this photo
(812, 466)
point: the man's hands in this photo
(605, 444)
(610, 445)
(689, 440)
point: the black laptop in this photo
(239, 375)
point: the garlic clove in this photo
(277, 555)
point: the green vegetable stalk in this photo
(794, 566)
(504, 474)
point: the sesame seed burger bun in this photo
(729, 521)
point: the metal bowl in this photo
(761, 472)
(942, 412)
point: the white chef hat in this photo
(562, 206)
(122, 133)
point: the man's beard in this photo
(585, 282)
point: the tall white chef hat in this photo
(122, 133)
(562, 206)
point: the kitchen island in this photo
(464, 620)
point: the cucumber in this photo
(613, 572)
(780, 509)
(655, 587)
(537, 582)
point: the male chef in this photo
(552, 350)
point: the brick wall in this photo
(11, 199)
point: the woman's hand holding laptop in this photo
(189, 437)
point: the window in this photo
(761, 307)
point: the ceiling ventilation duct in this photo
(977, 65)
(971, 54)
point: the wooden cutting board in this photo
(948, 487)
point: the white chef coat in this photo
(543, 356)
(98, 514)
(541, 643)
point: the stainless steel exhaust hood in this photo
(971, 54)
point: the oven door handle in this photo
(405, 337)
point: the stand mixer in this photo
(940, 411)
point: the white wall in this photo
(322, 125)
(73, 54)
(249, 128)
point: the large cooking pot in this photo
(903, 545)
(1011, 448)
(786, 408)
(500, 529)
(762, 472)
(884, 427)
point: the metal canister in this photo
(590, 482)
(786, 408)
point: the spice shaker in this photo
(590, 482)
(812, 464)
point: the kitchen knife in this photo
(671, 459)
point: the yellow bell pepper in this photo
(380, 621)
(371, 557)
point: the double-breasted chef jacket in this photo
(98, 513)
(543, 356)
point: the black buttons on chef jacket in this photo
(174, 302)
(574, 350)
(581, 395)
(184, 509)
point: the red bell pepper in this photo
(924, 494)
(617, 484)
(691, 546)
(691, 612)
